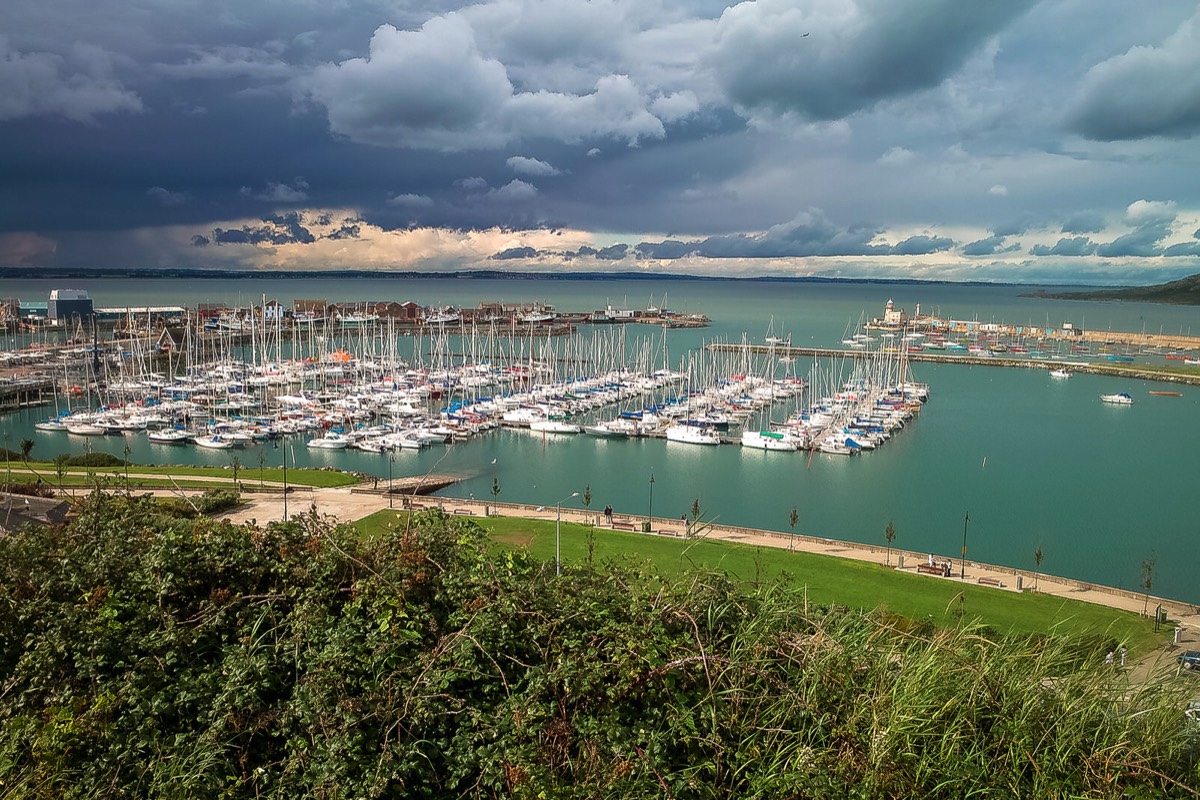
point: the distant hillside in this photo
(1183, 292)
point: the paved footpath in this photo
(353, 503)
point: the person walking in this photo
(608, 512)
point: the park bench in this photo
(991, 582)
(932, 569)
(623, 526)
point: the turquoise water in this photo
(1034, 462)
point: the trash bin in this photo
(645, 527)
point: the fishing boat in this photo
(1118, 399)
(1060, 373)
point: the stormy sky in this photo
(998, 140)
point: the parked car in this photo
(1189, 659)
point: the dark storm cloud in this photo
(513, 253)
(79, 84)
(127, 127)
(1017, 226)
(348, 231)
(279, 229)
(1142, 242)
(614, 252)
(922, 245)
(984, 247)
(1076, 246)
(1084, 222)
(166, 197)
(1144, 92)
(827, 62)
(669, 249)
(810, 233)
(1183, 249)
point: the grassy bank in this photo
(171, 475)
(824, 579)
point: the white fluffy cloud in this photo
(1151, 212)
(515, 191)
(524, 165)
(434, 89)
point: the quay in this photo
(21, 391)
(1134, 371)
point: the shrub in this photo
(32, 489)
(93, 460)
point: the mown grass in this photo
(824, 579)
(247, 474)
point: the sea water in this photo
(1021, 461)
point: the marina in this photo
(1044, 467)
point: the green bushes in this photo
(145, 656)
(212, 501)
(32, 489)
(92, 460)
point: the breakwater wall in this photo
(1132, 371)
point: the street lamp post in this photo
(285, 486)
(557, 532)
(963, 573)
(650, 513)
(391, 460)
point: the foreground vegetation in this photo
(142, 655)
(823, 579)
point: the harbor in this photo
(1036, 460)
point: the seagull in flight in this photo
(493, 461)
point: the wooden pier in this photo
(22, 392)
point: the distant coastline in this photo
(1183, 292)
(44, 273)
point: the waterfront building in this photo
(68, 304)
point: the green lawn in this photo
(247, 474)
(827, 579)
